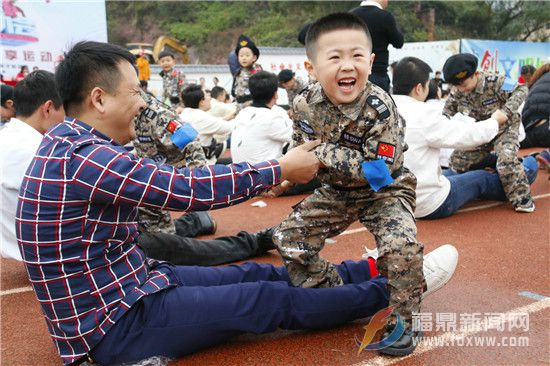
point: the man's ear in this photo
(97, 99)
(46, 109)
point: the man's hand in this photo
(300, 165)
(500, 116)
(278, 190)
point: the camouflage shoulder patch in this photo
(377, 103)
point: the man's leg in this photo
(192, 224)
(183, 320)
(188, 251)
(510, 170)
(301, 236)
(495, 190)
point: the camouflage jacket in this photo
(488, 96)
(154, 130)
(172, 84)
(242, 93)
(366, 130)
(299, 85)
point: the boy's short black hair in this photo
(87, 65)
(217, 91)
(34, 90)
(192, 96)
(408, 73)
(263, 85)
(6, 94)
(330, 23)
(166, 54)
(143, 83)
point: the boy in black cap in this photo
(291, 83)
(478, 94)
(248, 54)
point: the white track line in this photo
(477, 327)
(15, 290)
(475, 208)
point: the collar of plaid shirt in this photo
(76, 226)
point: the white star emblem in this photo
(375, 101)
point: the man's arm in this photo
(513, 102)
(442, 132)
(108, 174)
(451, 106)
(395, 37)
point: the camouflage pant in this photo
(327, 213)
(509, 168)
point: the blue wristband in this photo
(377, 174)
(184, 135)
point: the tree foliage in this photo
(210, 28)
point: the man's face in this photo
(7, 111)
(123, 105)
(205, 104)
(246, 57)
(342, 64)
(288, 84)
(167, 63)
(468, 85)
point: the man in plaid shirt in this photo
(76, 228)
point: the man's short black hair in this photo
(330, 23)
(192, 96)
(34, 90)
(433, 88)
(166, 54)
(6, 94)
(263, 85)
(217, 91)
(408, 73)
(528, 70)
(88, 65)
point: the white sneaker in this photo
(370, 253)
(439, 266)
(527, 208)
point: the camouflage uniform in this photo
(172, 84)
(299, 85)
(242, 93)
(154, 129)
(367, 130)
(479, 104)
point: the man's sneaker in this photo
(544, 160)
(439, 266)
(526, 205)
(370, 253)
(404, 346)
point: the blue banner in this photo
(507, 57)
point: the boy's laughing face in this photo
(342, 63)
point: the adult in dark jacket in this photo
(536, 112)
(383, 31)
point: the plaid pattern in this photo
(76, 226)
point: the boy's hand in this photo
(300, 165)
(500, 116)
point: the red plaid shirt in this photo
(76, 226)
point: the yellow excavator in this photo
(163, 43)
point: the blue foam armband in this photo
(377, 173)
(183, 135)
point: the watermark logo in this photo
(377, 322)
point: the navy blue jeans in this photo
(213, 304)
(477, 184)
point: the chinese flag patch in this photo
(172, 126)
(385, 151)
